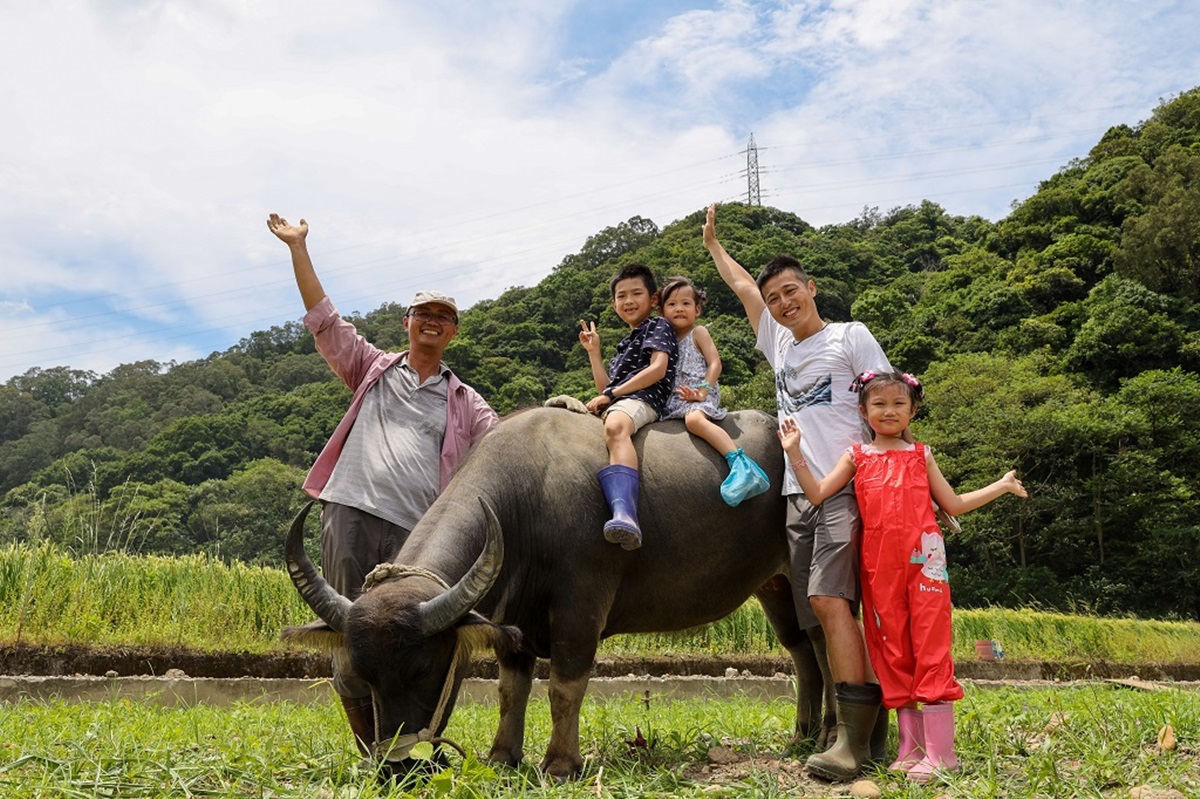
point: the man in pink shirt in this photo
(410, 422)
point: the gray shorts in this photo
(641, 412)
(352, 543)
(823, 549)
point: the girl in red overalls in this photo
(905, 593)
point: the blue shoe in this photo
(746, 479)
(620, 485)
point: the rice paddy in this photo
(112, 598)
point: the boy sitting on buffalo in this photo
(632, 392)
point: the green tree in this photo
(1161, 246)
(1129, 329)
(18, 411)
(54, 387)
(245, 516)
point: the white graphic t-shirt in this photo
(812, 385)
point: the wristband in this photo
(608, 392)
(704, 385)
(800, 464)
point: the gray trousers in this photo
(352, 543)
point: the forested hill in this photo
(1063, 341)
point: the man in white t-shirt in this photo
(815, 362)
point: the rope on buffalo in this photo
(391, 571)
(399, 747)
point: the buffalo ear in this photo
(509, 641)
(315, 634)
(480, 633)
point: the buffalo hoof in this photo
(506, 757)
(562, 767)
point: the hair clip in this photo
(862, 380)
(917, 389)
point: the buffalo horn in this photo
(445, 609)
(325, 601)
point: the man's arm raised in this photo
(294, 236)
(733, 273)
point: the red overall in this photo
(905, 593)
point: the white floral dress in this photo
(690, 369)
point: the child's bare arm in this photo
(590, 340)
(815, 491)
(708, 348)
(957, 504)
(644, 378)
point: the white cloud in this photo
(463, 146)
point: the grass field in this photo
(1082, 740)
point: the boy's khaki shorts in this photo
(641, 412)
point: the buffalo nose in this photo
(410, 769)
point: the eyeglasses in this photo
(439, 318)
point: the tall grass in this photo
(112, 598)
(196, 601)
(1039, 635)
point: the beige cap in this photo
(427, 297)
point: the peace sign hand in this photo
(589, 338)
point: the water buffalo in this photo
(517, 536)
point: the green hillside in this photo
(1063, 340)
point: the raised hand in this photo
(1013, 485)
(710, 227)
(589, 338)
(789, 435)
(288, 234)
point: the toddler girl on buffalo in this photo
(696, 398)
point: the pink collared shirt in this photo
(360, 364)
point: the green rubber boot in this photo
(857, 710)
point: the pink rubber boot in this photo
(938, 720)
(911, 750)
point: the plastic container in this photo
(987, 649)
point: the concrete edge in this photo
(217, 692)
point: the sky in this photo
(470, 146)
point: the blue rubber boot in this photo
(746, 479)
(620, 485)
